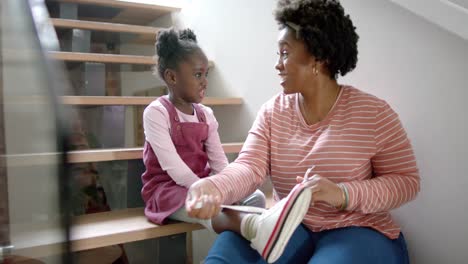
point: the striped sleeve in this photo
(241, 177)
(395, 178)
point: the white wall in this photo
(420, 69)
(452, 15)
(240, 37)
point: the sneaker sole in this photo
(244, 208)
(286, 225)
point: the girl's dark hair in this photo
(173, 47)
(326, 30)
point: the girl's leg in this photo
(358, 245)
(226, 220)
(256, 199)
(230, 247)
(181, 215)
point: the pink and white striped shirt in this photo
(361, 143)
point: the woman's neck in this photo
(317, 100)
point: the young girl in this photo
(182, 142)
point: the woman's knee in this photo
(357, 245)
(229, 247)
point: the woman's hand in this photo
(324, 190)
(203, 200)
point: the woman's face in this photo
(295, 64)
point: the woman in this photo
(359, 154)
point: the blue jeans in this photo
(338, 246)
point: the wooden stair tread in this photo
(104, 26)
(93, 155)
(137, 100)
(94, 231)
(153, 5)
(112, 100)
(81, 156)
(105, 58)
(129, 12)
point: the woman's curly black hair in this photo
(173, 47)
(327, 31)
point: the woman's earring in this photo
(315, 71)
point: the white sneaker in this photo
(276, 225)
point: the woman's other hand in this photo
(203, 200)
(324, 190)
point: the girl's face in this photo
(295, 64)
(191, 77)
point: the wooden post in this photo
(189, 249)
(4, 215)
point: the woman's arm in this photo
(248, 171)
(395, 174)
(156, 126)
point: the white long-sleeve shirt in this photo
(157, 127)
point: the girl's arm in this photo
(241, 177)
(216, 156)
(156, 125)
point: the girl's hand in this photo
(203, 200)
(324, 190)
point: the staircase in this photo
(91, 34)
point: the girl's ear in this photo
(170, 77)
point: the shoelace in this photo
(306, 175)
